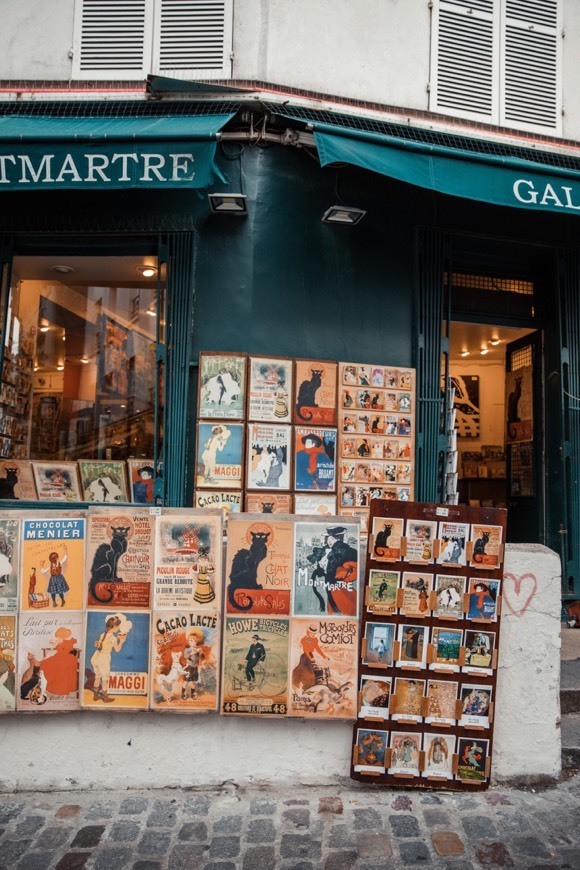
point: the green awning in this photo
(103, 153)
(468, 174)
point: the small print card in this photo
(382, 591)
(450, 591)
(479, 648)
(415, 594)
(439, 749)
(483, 599)
(103, 481)
(453, 538)
(407, 701)
(314, 459)
(220, 448)
(386, 539)
(268, 456)
(413, 641)
(270, 390)
(441, 701)
(405, 753)
(315, 392)
(379, 637)
(473, 754)
(475, 705)
(375, 694)
(313, 504)
(486, 541)
(141, 480)
(57, 481)
(371, 749)
(446, 649)
(9, 562)
(421, 535)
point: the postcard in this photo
(267, 458)
(450, 591)
(473, 754)
(185, 654)
(479, 649)
(315, 400)
(348, 374)
(220, 448)
(362, 496)
(405, 753)
(407, 699)
(453, 537)
(52, 568)
(17, 481)
(347, 496)
(361, 515)
(386, 539)
(9, 564)
(8, 662)
(347, 399)
(475, 705)
(268, 503)
(259, 565)
(255, 666)
(188, 560)
(314, 459)
(348, 450)
(142, 480)
(326, 568)
(439, 750)
(378, 644)
(382, 594)
(406, 379)
(392, 379)
(116, 667)
(441, 702)
(230, 502)
(222, 385)
(347, 470)
(483, 599)
(57, 481)
(324, 668)
(120, 555)
(421, 535)
(375, 694)
(487, 547)
(49, 648)
(415, 594)
(413, 641)
(324, 505)
(404, 493)
(446, 644)
(371, 750)
(270, 390)
(103, 481)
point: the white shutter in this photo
(112, 39)
(464, 58)
(194, 38)
(532, 48)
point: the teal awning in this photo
(469, 174)
(103, 153)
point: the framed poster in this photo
(119, 557)
(103, 481)
(57, 481)
(315, 400)
(220, 448)
(188, 560)
(466, 405)
(314, 459)
(9, 564)
(324, 668)
(222, 386)
(49, 649)
(7, 662)
(259, 564)
(116, 666)
(52, 567)
(267, 456)
(270, 390)
(17, 481)
(268, 503)
(141, 480)
(113, 375)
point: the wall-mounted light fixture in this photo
(228, 203)
(484, 350)
(60, 367)
(343, 214)
(495, 341)
(152, 311)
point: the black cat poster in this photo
(188, 560)
(259, 565)
(119, 558)
(315, 400)
(519, 405)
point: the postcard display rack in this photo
(429, 646)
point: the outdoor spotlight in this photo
(343, 214)
(146, 270)
(228, 203)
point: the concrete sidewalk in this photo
(234, 828)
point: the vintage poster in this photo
(49, 650)
(116, 667)
(413, 644)
(326, 568)
(268, 503)
(8, 663)
(370, 751)
(57, 481)
(439, 750)
(113, 358)
(386, 539)
(374, 697)
(324, 668)
(475, 706)
(268, 455)
(103, 481)
(255, 666)
(421, 535)
(228, 502)
(405, 753)
(479, 649)
(52, 569)
(378, 644)
(120, 557)
(185, 652)
(473, 754)
(487, 548)
(483, 599)
(314, 459)
(220, 448)
(141, 480)
(315, 392)
(17, 481)
(312, 505)
(407, 699)
(450, 591)
(360, 514)
(188, 560)
(453, 538)
(519, 405)
(259, 565)
(382, 591)
(270, 390)
(446, 644)
(222, 386)
(416, 588)
(441, 701)
(9, 552)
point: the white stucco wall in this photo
(83, 750)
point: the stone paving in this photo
(301, 828)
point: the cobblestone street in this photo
(231, 828)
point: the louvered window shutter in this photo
(193, 38)
(112, 39)
(532, 49)
(465, 58)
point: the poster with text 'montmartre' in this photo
(188, 560)
(120, 557)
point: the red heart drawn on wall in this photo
(519, 591)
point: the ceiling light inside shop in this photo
(62, 269)
(84, 359)
(147, 270)
(495, 341)
(44, 325)
(60, 367)
(343, 214)
(484, 350)
(151, 311)
(465, 352)
(228, 203)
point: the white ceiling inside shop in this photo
(473, 337)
